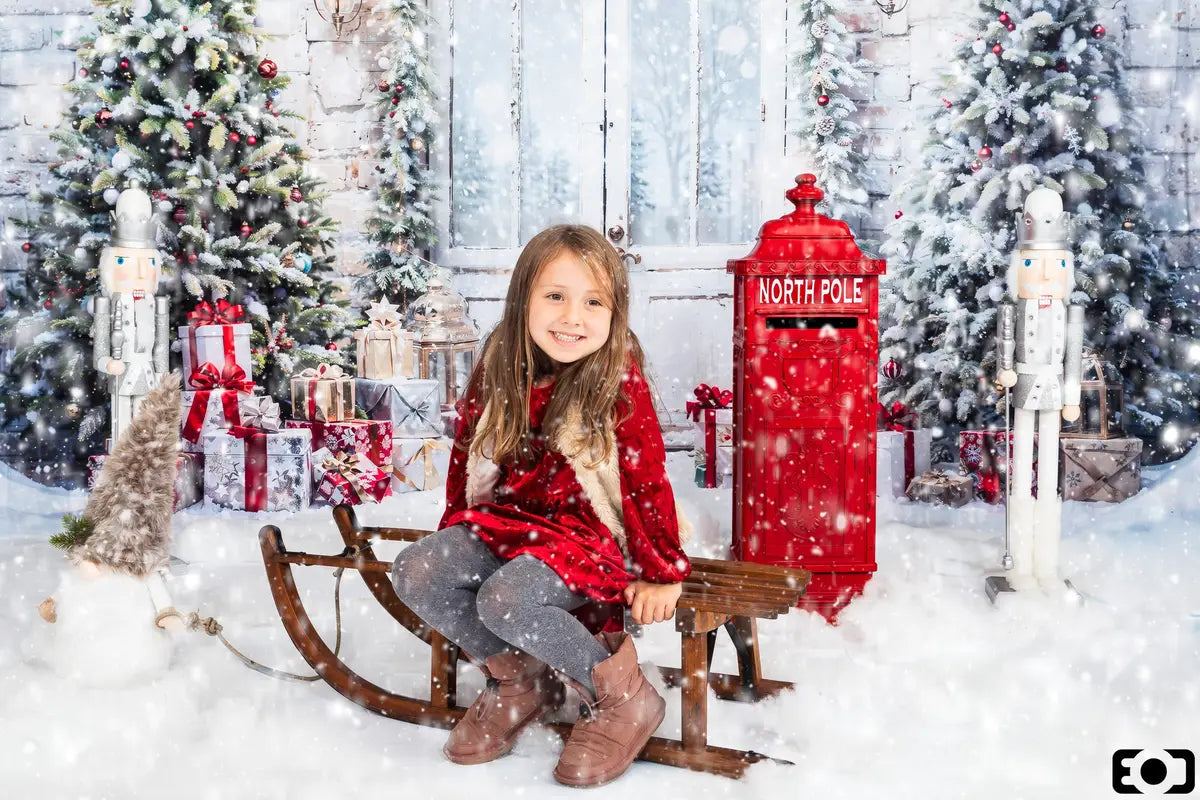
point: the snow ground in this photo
(922, 690)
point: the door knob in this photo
(615, 234)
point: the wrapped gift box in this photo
(984, 456)
(208, 411)
(943, 489)
(256, 470)
(369, 438)
(412, 406)
(323, 394)
(420, 464)
(900, 457)
(189, 477)
(1101, 469)
(384, 353)
(217, 344)
(713, 447)
(349, 478)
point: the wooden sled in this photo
(718, 594)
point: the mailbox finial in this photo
(805, 195)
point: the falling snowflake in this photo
(1073, 140)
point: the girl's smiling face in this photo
(569, 313)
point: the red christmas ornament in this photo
(185, 28)
(297, 195)
(245, 170)
(179, 215)
(391, 113)
(103, 117)
(83, 73)
(1098, 31)
(192, 258)
(251, 140)
(189, 124)
(985, 153)
(395, 101)
(892, 369)
(331, 346)
(46, 304)
(1004, 18)
(302, 222)
(823, 100)
(947, 103)
(124, 63)
(899, 213)
(26, 247)
(1011, 27)
(267, 105)
(997, 49)
(1061, 65)
(268, 68)
(187, 107)
(199, 114)
(976, 165)
(246, 229)
(235, 137)
(383, 86)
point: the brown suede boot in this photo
(611, 732)
(520, 690)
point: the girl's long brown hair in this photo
(510, 361)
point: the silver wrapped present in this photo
(412, 406)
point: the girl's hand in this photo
(652, 602)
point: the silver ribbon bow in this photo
(260, 412)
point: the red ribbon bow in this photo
(225, 313)
(208, 376)
(708, 397)
(898, 418)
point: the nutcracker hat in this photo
(133, 223)
(1043, 225)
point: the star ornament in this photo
(383, 314)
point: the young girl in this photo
(556, 495)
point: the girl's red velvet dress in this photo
(541, 510)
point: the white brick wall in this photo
(333, 79)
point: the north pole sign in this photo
(822, 290)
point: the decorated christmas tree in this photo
(1038, 99)
(823, 122)
(181, 98)
(403, 230)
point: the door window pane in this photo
(730, 97)
(483, 153)
(662, 147)
(551, 93)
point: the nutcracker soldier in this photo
(130, 342)
(1039, 357)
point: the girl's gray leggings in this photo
(451, 580)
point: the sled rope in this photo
(192, 621)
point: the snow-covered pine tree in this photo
(824, 123)
(403, 230)
(1039, 98)
(177, 96)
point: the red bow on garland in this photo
(898, 418)
(708, 397)
(207, 376)
(225, 313)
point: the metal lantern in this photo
(1101, 402)
(332, 12)
(444, 339)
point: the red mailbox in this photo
(805, 355)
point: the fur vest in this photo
(601, 484)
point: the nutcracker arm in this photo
(101, 333)
(162, 346)
(1006, 340)
(1073, 356)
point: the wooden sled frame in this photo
(718, 594)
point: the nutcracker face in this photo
(1042, 273)
(129, 270)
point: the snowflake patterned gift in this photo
(412, 406)
(323, 394)
(255, 470)
(982, 455)
(349, 478)
(215, 335)
(370, 438)
(1107, 470)
(212, 402)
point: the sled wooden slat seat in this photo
(718, 594)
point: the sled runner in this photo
(718, 594)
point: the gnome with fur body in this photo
(116, 592)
